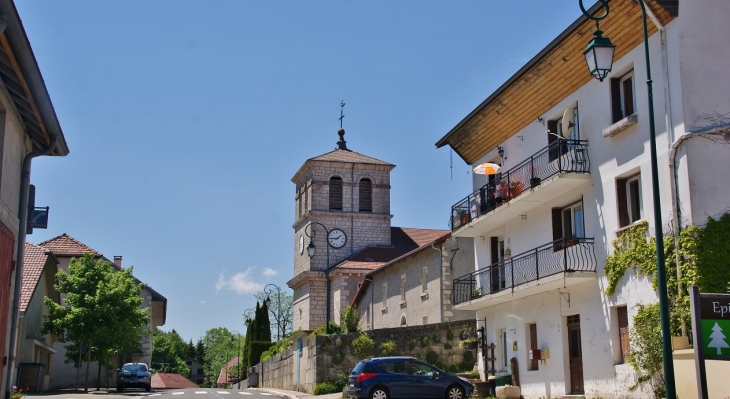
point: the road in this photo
(190, 393)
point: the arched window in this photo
(403, 320)
(366, 195)
(336, 193)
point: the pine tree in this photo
(718, 339)
(265, 329)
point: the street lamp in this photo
(238, 361)
(311, 249)
(278, 311)
(660, 267)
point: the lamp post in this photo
(597, 52)
(278, 304)
(238, 362)
(311, 249)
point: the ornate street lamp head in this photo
(599, 56)
(311, 249)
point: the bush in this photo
(424, 341)
(256, 349)
(449, 333)
(432, 358)
(324, 388)
(348, 315)
(387, 348)
(362, 346)
(334, 329)
(468, 357)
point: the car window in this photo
(394, 367)
(422, 369)
(131, 368)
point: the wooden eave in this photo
(24, 83)
(558, 70)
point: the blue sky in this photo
(186, 121)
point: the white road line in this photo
(156, 394)
(201, 392)
(178, 393)
(224, 392)
(245, 393)
(267, 394)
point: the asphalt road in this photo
(191, 393)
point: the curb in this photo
(277, 393)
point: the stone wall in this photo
(323, 357)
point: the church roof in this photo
(338, 155)
(34, 261)
(65, 245)
(405, 240)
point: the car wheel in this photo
(148, 388)
(455, 392)
(379, 393)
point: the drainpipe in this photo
(720, 129)
(23, 223)
(441, 281)
(372, 306)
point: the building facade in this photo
(576, 173)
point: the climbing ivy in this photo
(631, 249)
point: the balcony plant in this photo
(469, 344)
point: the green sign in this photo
(716, 337)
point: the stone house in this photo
(29, 128)
(415, 288)
(197, 374)
(35, 350)
(575, 155)
(65, 248)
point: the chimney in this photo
(118, 260)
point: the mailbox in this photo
(534, 354)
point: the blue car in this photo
(404, 377)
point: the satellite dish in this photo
(567, 124)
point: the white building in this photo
(540, 245)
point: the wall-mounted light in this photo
(500, 151)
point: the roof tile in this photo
(339, 155)
(34, 261)
(171, 381)
(65, 245)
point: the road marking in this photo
(267, 394)
(245, 393)
(201, 392)
(155, 394)
(178, 393)
(224, 392)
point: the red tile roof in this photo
(65, 245)
(348, 156)
(34, 261)
(171, 381)
(223, 377)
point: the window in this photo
(555, 132)
(394, 367)
(424, 279)
(628, 193)
(623, 333)
(534, 363)
(422, 369)
(403, 321)
(622, 96)
(336, 193)
(385, 296)
(568, 223)
(403, 289)
(306, 200)
(425, 320)
(366, 195)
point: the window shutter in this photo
(621, 199)
(557, 223)
(366, 195)
(628, 92)
(533, 345)
(336, 193)
(616, 112)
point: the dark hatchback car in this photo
(404, 377)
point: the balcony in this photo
(557, 264)
(561, 166)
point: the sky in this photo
(186, 121)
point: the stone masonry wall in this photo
(323, 357)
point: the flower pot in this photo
(464, 218)
(535, 181)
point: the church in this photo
(343, 236)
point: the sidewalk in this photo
(298, 395)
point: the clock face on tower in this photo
(301, 244)
(337, 238)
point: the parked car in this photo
(404, 377)
(134, 375)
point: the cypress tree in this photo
(265, 324)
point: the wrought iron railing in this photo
(560, 256)
(561, 156)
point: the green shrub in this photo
(348, 315)
(449, 333)
(432, 357)
(447, 346)
(387, 348)
(324, 388)
(362, 346)
(256, 349)
(334, 329)
(468, 357)
(411, 346)
(424, 341)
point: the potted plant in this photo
(469, 344)
(463, 217)
(476, 292)
(515, 187)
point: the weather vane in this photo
(342, 110)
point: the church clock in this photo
(337, 238)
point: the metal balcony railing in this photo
(561, 156)
(560, 256)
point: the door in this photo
(398, 380)
(497, 274)
(426, 381)
(575, 355)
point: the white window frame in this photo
(424, 279)
(630, 194)
(622, 94)
(573, 230)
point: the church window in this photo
(306, 200)
(403, 321)
(299, 202)
(366, 195)
(336, 193)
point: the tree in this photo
(718, 339)
(220, 348)
(200, 350)
(169, 352)
(283, 314)
(101, 309)
(191, 349)
(348, 319)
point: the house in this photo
(35, 350)
(228, 374)
(574, 154)
(30, 128)
(171, 381)
(197, 374)
(65, 248)
(342, 209)
(414, 288)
